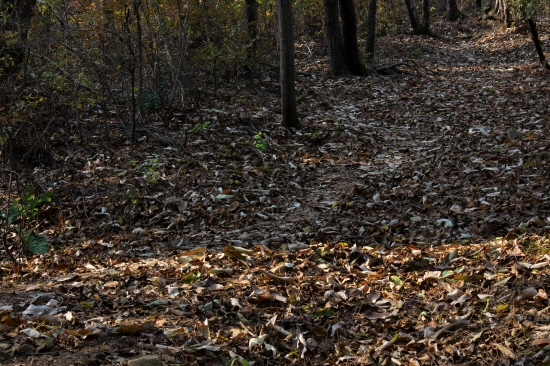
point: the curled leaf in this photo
(526, 294)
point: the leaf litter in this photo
(406, 224)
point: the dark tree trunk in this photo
(342, 40)
(252, 22)
(413, 15)
(371, 29)
(453, 14)
(536, 41)
(478, 4)
(417, 27)
(426, 16)
(333, 32)
(349, 32)
(286, 41)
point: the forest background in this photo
(160, 205)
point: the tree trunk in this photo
(426, 17)
(501, 10)
(415, 24)
(252, 22)
(342, 41)
(371, 29)
(453, 14)
(286, 44)
(478, 4)
(424, 28)
(338, 63)
(349, 33)
(536, 41)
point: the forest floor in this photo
(405, 224)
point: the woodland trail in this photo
(423, 156)
(354, 227)
(453, 149)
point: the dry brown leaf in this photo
(83, 333)
(237, 252)
(111, 284)
(279, 297)
(450, 328)
(233, 206)
(506, 351)
(278, 278)
(540, 341)
(525, 295)
(204, 329)
(51, 319)
(128, 329)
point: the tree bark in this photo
(342, 40)
(286, 42)
(415, 24)
(338, 63)
(453, 14)
(501, 10)
(536, 41)
(371, 29)
(349, 33)
(426, 16)
(417, 27)
(252, 22)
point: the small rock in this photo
(149, 360)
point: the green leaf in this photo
(261, 142)
(191, 278)
(242, 318)
(199, 127)
(396, 280)
(446, 274)
(459, 269)
(451, 256)
(323, 312)
(35, 244)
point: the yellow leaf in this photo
(501, 308)
(466, 278)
